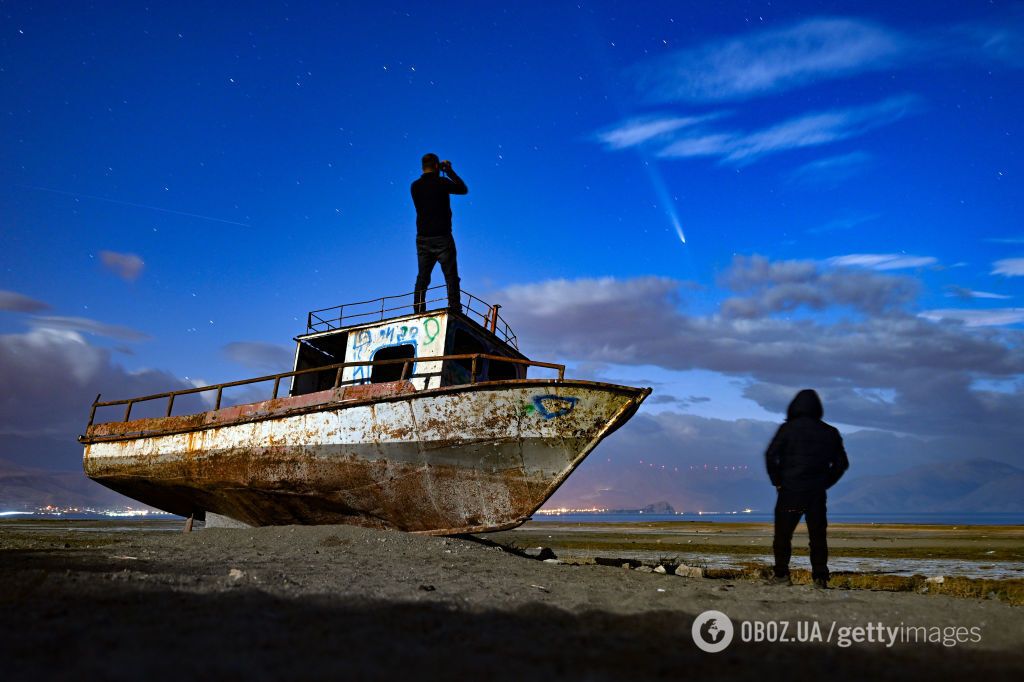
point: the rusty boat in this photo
(417, 418)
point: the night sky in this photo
(726, 201)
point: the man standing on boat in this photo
(805, 459)
(434, 241)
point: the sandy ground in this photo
(337, 602)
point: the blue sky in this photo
(179, 184)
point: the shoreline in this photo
(975, 552)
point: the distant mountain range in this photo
(976, 485)
(965, 486)
(24, 488)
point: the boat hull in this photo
(452, 460)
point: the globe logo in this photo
(712, 631)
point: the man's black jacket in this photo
(430, 194)
(806, 455)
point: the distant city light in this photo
(707, 466)
(558, 511)
(58, 510)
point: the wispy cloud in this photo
(961, 292)
(809, 130)
(993, 317)
(832, 170)
(88, 326)
(636, 131)
(771, 61)
(1009, 267)
(20, 303)
(882, 261)
(706, 144)
(817, 50)
(844, 223)
(1006, 240)
(127, 266)
(776, 61)
(1002, 41)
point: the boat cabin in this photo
(416, 345)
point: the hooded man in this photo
(805, 458)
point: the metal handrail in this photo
(316, 321)
(338, 368)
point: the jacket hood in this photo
(805, 404)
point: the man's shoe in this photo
(780, 580)
(821, 583)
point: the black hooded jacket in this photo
(806, 454)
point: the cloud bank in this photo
(52, 375)
(879, 365)
(261, 356)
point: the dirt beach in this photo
(348, 603)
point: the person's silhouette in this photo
(805, 458)
(434, 241)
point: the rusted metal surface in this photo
(494, 317)
(276, 378)
(240, 414)
(449, 460)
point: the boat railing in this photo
(338, 369)
(378, 309)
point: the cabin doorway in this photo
(392, 372)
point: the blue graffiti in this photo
(407, 332)
(367, 343)
(565, 405)
(359, 342)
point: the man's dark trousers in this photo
(789, 507)
(430, 250)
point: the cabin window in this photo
(392, 372)
(502, 371)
